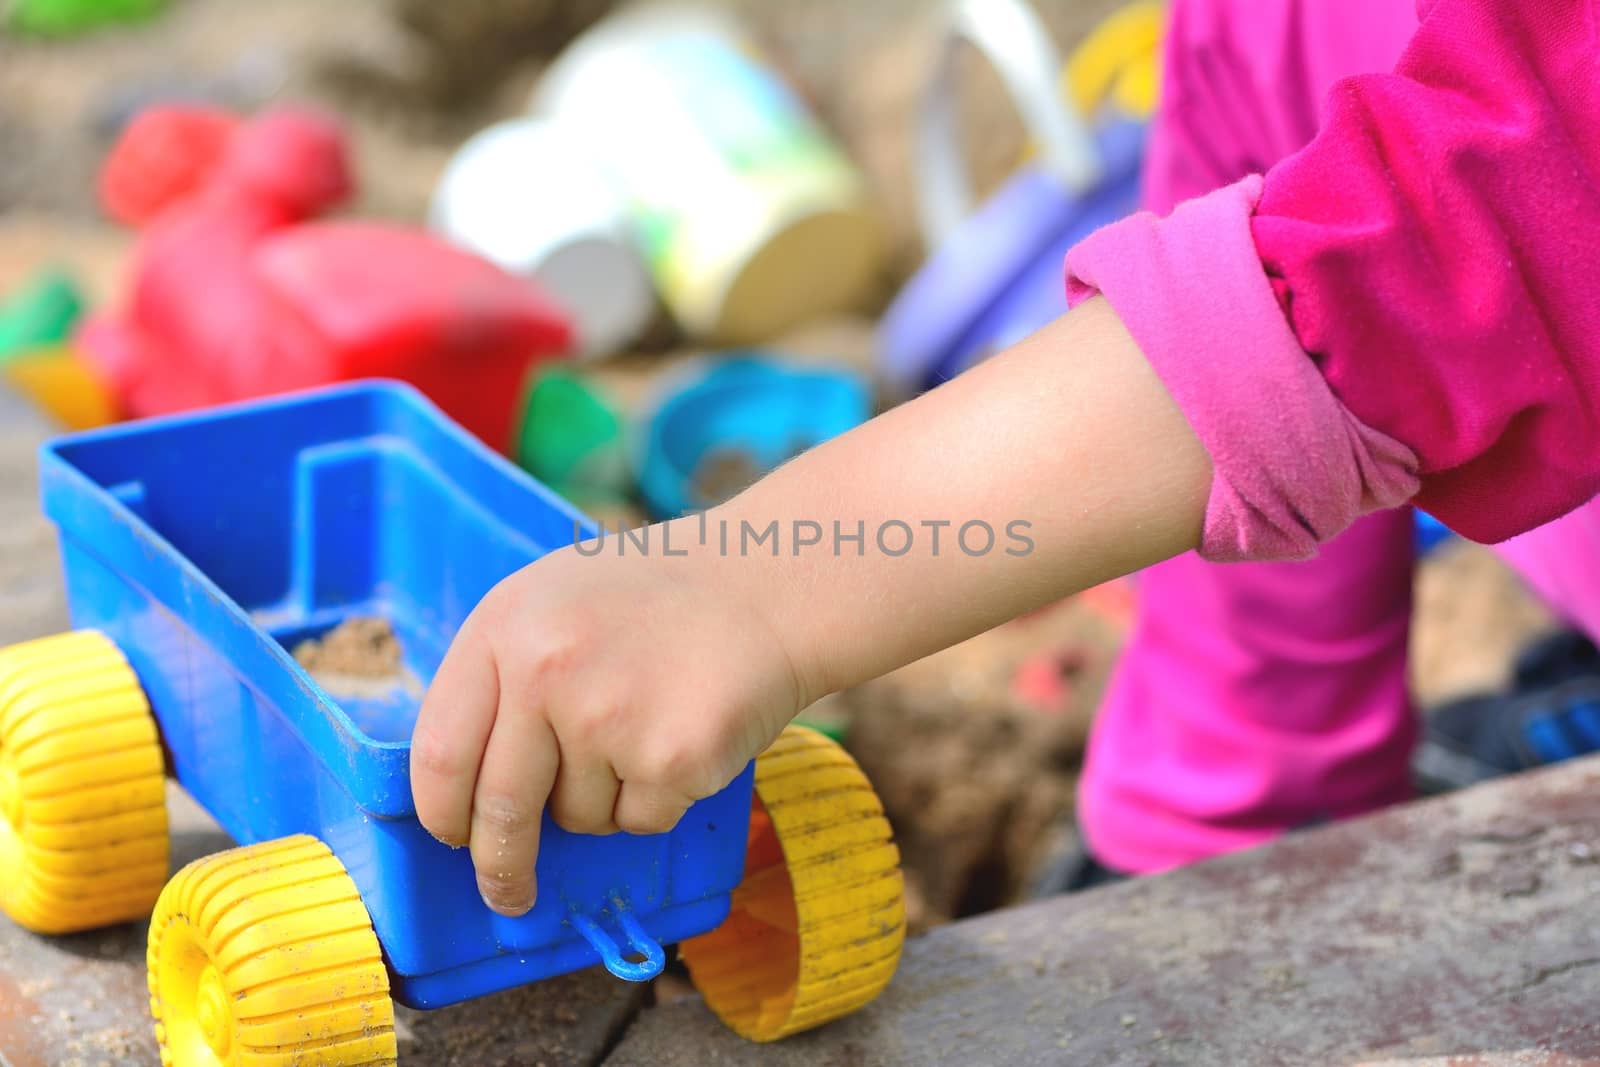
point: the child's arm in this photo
(616, 690)
(1069, 432)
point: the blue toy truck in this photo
(200, 550)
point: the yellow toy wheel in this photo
(83, 817)
(265, 956)
(818, 922)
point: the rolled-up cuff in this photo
(1292, 466)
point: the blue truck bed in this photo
(206, 546)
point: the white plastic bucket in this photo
(528, 195)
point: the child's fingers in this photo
(518, 771)
(649, 809)
(452, 729)
(585, 795)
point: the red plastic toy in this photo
(236, 293)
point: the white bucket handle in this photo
(1010, 36)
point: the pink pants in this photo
(1254, 698)
(1258, 697)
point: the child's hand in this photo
(613, 691)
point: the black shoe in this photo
(1552, 713)
(1559, 657)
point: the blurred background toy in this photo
(65, 18)
(235, 292)
(719, 428)
(530, 195)
(169, 153)
(36, 360)
(993, 273)
(59, 382)
(572, 437)
(1117, 66)
(40, 314)
(750, 218)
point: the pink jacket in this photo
(1408, 307)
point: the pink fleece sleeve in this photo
(1191, 290)
(1409, 304)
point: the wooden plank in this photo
(1462, 927)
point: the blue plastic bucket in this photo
(750, 410)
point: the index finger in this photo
(453, 727)
(519, 769)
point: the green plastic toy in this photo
(572, 438)
(64, 18)
(41, 315)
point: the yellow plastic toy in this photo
(1119, 62)
(62, 385)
